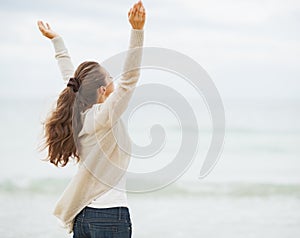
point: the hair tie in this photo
(74, 83)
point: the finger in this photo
(142, 6)
(48, 26)
(141, 10)
(41, 26)
(140, 13)
(133, 9)
(135, 6)
(129, 12)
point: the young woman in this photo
(86, 126)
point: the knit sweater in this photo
(105, 143)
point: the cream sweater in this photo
(105, 142)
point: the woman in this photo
(86, 126)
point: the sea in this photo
(253, 191)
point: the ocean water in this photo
(180, 210)
(253, 191)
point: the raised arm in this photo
(107, 113)
(61, 53)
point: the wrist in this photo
(54, 37)
(58, 43)
(137, 28)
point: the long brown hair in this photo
(62, 126)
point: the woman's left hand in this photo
(137, 16)
(46, 30)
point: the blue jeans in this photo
(112, 222)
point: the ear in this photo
(102, 90)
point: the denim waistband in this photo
(118, 213)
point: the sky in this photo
(250, 49)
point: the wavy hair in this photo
(62, 126)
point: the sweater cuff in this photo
(58, 44)
(137, 38)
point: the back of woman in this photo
(86, 126)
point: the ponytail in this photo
(59, 132)
(64, 122)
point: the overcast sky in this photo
(250, 48)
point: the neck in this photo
(101, 99)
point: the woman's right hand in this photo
(46, 30)
(137, 16)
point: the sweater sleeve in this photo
(108, 112)
(63, 58)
